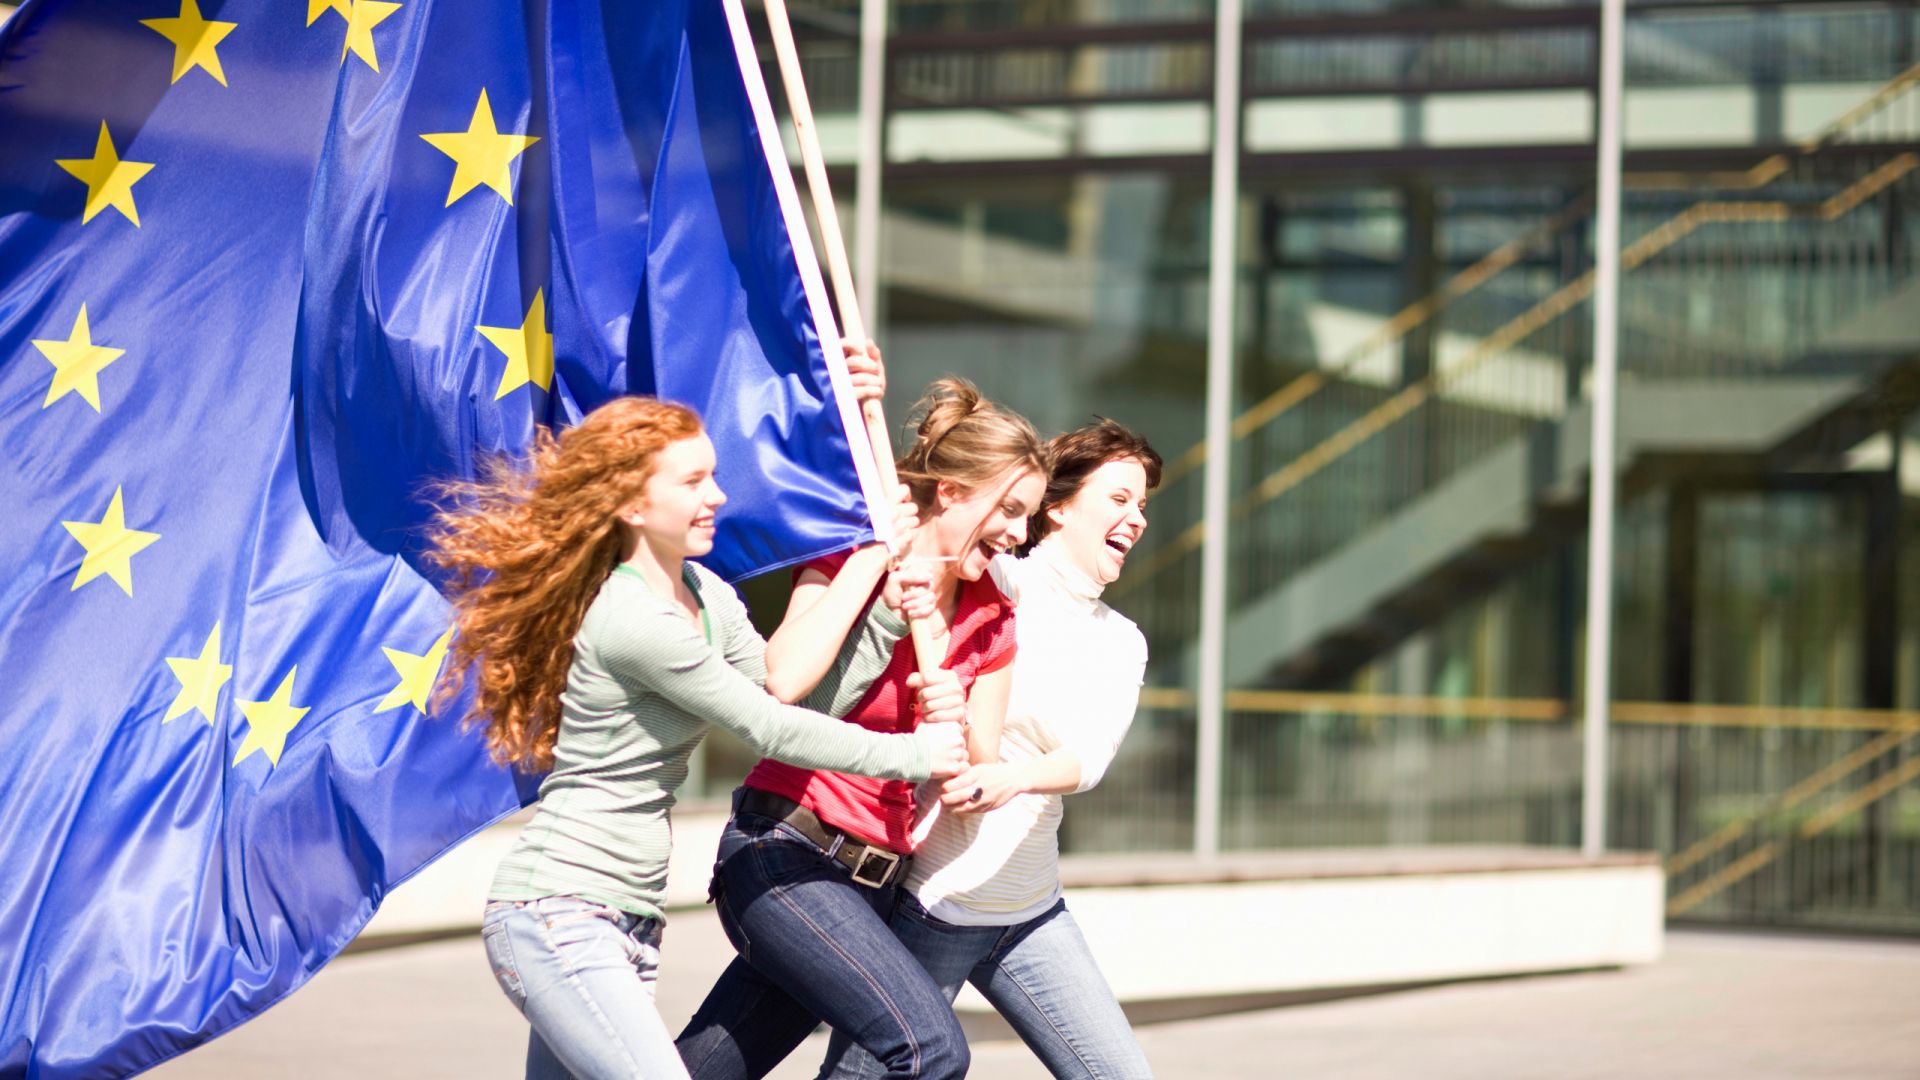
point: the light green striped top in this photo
(644, 685)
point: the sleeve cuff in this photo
(889, 622)
(922, 769)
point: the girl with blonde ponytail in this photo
(598, 651)
(810, 864)
(982, 903)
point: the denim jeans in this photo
(582, 974)
(812, 946)
(1038, 974)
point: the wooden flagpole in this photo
(833, 245)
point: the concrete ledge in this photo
(1289, 922)
(1247, 926)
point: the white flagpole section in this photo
(866, 176)
(872, 486)
(1222, 280)
(1606, 379)
(926, 648)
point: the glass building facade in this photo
(1409, 452)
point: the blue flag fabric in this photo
(266, 269)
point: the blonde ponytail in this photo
(965, 440)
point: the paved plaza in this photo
(1744, 1005)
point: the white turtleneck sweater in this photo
(1076, 682)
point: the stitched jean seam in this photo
(572, 979)
(892, 1007)
(1046, 1014)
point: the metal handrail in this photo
(1411, 317)
(1505, 337)
(1903, 722)
(1559, 303)
(1892, 728)
(1751, 863)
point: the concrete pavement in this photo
(1744, 1005)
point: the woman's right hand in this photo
(866, 370)
(945, 746)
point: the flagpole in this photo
(833, 244)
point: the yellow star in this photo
(109, 180)
(528, 347)
(269, 722)
(482, 155)
(417, 674)
(201, 678)
(315, 7)
(194, 40)
(362, 17)
(110, 546)
(77, 363)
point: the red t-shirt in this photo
(881, 811)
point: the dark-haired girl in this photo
(982, 901)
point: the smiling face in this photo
(674, 514)
(977, 525)
(1104, 519)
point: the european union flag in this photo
(267, 268)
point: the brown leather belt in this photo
(871, 865)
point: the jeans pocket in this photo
(778, 859)
(571, 921)
(506, 971)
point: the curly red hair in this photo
(526, 548)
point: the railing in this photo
(1785, 815)
(1005, 53)
(1349, 451)
(1422, 60)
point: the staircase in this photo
(1760, 309)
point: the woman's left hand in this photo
(906, 520)
(869, 372)
(909, 591)
(982, 788)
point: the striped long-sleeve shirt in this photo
(1076, 682)
(644, 684)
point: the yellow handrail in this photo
(1407, 319)
(1545, 709)
(1396, 327)
(1749, 864)
(1516, 330)
(1895, 728)
(1827, 776)
(1413, 315)
(1559, 303)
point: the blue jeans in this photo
(813, 946)
(1038, 974)
(582, 974)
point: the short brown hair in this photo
(1073, 457)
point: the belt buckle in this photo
(889, 862)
